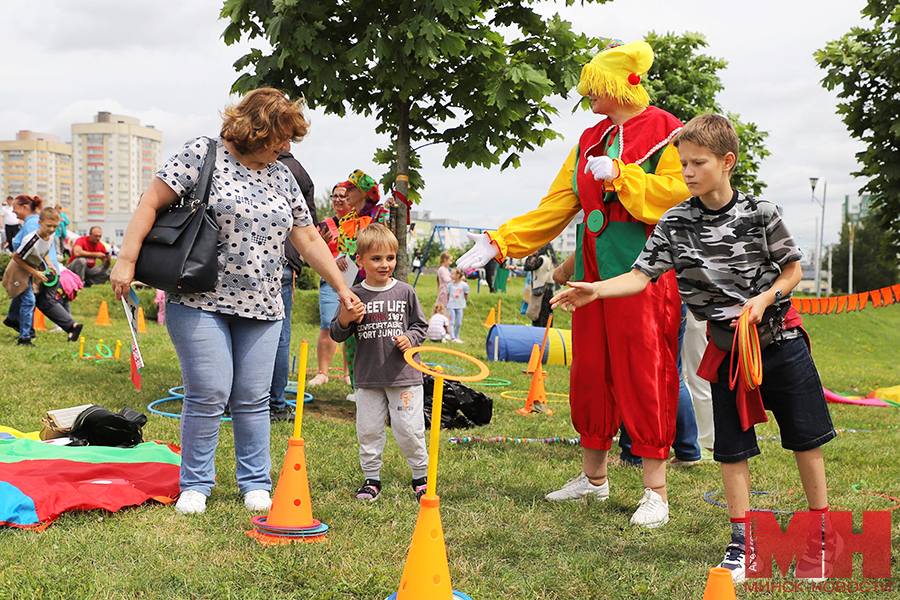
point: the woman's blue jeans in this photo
(225, 360)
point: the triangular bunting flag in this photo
(876, 298)
(863, 299)
(852, 301)
(888, 296)
(805, 304)
(841, 304)
(832, 303)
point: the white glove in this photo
(602, 167)
(480, 254)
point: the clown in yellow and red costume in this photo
(624, 174)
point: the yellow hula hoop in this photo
(509, 395)
(411, 353)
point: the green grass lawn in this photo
(503, 540)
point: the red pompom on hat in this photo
(634, 79)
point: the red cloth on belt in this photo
(750, 405)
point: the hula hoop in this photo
(509, 395)
(108, 353)
(855, 488)
(708, 497)
(152, 407)
(492, 440)
(492, 382)
(55, 279)
(307, 397)
(483, 369)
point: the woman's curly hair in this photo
(263, 118)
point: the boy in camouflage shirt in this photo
(733, 254)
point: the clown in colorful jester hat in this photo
(363, 199)
(623, 174)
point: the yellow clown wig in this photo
(616, 72)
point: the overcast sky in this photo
(164, 63)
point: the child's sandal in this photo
(369, 490)
(420, 486)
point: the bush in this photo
(4, 261)
(308, 279)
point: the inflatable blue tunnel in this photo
(514, 343)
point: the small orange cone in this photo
(38, 322)
(537, 396)
(291, 506)
(535, 361)
(491, 319)
(142, 326)
(427, 574)
(103, 315)
(719, 585)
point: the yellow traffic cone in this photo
(427, 573)
(491, 319)
(103, 315)
(719, 585)
(141, 325)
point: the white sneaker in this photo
(580, 487)
(190, 502)
(56, 329)
(457, 340)
(351, 396)
(258, 500)
(652, 511)
(735, 561)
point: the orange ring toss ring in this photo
(748, 355)
(482, 374)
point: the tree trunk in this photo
(401, 185)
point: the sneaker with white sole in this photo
(652, 511)
(351, 397)
(190, 502)
(735, 561)
(580, 487)
(258, 500)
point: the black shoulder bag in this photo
(179, 253)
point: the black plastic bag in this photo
(462, 407)
(98, 426)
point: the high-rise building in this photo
(37, 164)
(115, 159)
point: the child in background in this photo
(458, 293)
(32, 262)
(443, 277)
(732, 254)
(439, 325)
(387, 322)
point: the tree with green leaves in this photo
(864, 67)
(685, 82)
(431, 71)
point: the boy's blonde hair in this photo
(713, 132)
(374, 236)
(48, 213)
(437, 309)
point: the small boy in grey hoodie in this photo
(388, 321)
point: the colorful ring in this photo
(483, 369)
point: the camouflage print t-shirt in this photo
(723, 257)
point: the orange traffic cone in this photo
(491, 319)
(537, 396)
(290, 518)
(719, 585)
(103, 315)
(535, 361)
(142, 326)
(426, 574)
(38, 322)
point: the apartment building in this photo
(114, 159)
(37, 164)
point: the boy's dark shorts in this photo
(792, 391)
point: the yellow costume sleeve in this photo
(522, 235)
(646, 197)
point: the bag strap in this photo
(200, 193)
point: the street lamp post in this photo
(812, 183)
